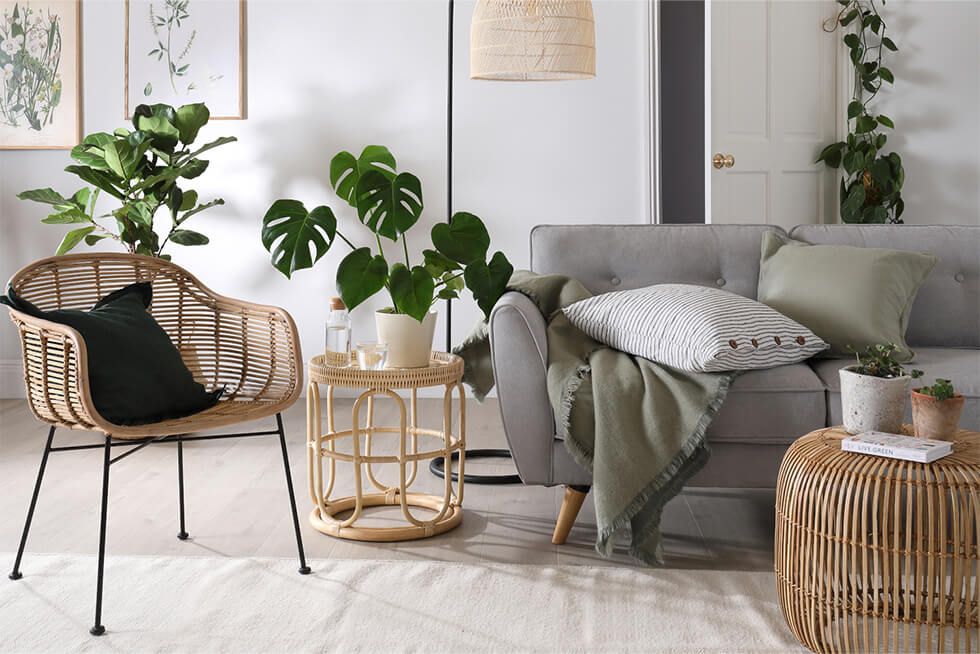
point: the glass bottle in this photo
(338, 331)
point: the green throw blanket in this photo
(637, 425)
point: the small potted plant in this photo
(873, 391)
(936, 410)
(388, 203)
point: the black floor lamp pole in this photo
(438, 465)
(449, 160)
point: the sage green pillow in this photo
(846, 295)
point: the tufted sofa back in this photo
(947, 308)
(616, 257)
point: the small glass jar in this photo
(371, 355)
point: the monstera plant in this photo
(143, 169)
(388, 203)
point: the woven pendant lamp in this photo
(532, 40)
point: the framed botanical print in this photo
(184, 51)
(40, 74)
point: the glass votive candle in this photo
(371, 356)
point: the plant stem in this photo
(443, 282)
(381, 250)
(344, 239)
(408, 263)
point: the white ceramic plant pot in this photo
(409, 341)
(873, 403)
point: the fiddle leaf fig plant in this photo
(144, 170)
(388, 203)
(871, 186)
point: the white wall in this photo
(339, 74)
(935, 104)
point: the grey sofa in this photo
(766, 409)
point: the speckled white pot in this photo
(873, 403)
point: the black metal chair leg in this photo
(182, 534)
(15, 573)
(97, 629)
(303, 568)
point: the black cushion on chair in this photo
(136, 375)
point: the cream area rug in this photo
(161, 604)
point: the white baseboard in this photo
(12, 379)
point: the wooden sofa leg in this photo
(570, 505)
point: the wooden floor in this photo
(237, 504)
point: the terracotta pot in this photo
(936, 419)
(873, 403)
(409, 341)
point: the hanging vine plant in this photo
(871, 186)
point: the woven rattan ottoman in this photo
(876, 554)
(415, 445)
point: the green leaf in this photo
(387, 206)
(411, 290)
(848, 17)
(159, 121)
(68, 217)
(865, 124)
(122, 158)
(81, 197)
(43, 195)
(189, 119)
(188, 201)
(199, 208)
(888, 43)
(73, 238)
(856, 54)
(852, 40)
(854, 109)
(359, 276)
(346, 171)
(885, 120)
(831, 155)
(212, 145)
(464, 239)
(102, 179)
(188, 237)
(296, 229)
(881, 172)
(886, 74)
(488, 282)
(437, 264)
(92, 239)
(193, 168)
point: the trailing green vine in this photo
(871, 187)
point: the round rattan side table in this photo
(323, 455)
(875, 554)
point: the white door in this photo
(772, 109)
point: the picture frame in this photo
(184, 51)
(40, 40)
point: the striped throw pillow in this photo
(694, 328)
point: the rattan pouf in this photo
(444, 370)
(876, 554)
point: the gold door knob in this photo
(722, 160)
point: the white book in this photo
(897, 446)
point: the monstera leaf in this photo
(389, 206)
(296, 229)
(488, 281)
(346, 171)
(411, 290)
(463, 239)
(360, 275)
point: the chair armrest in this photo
(519, 350)
(257, 352)
(56, 373)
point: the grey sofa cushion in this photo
(774, 406)
(961, 365)
(946, 311)
(619, 257)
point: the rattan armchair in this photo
(251, 350)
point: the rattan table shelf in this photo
(444, 370)
(875, 554)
